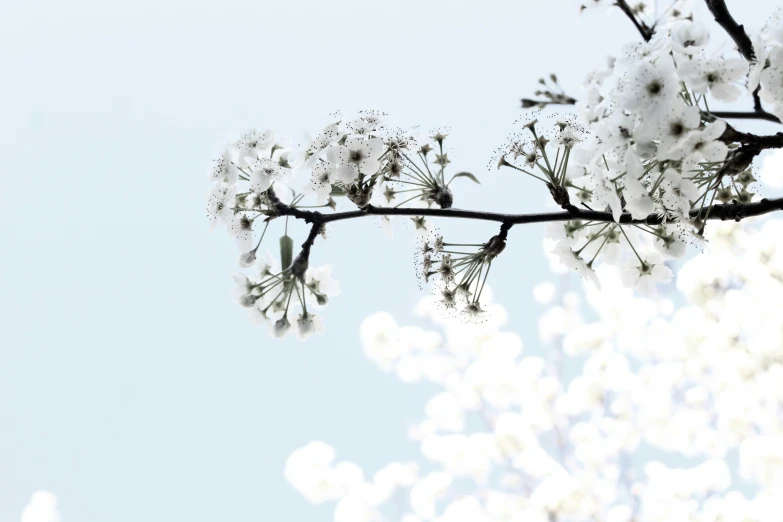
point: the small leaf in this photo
(473, 178)
(286, 251)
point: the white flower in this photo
(754, 75)
(358, 155)
(311, 150)
(568, 136)
(761, 459)
(395, 475)
(616, 132)
(247, 259)
(307, 324)
(678, 192)
(514, 437)
(320, 284)
(427, 491)
(263, 172)
(323, 175)
(689, 37)
(771, 81)
(650, 88)
(562, 494)
(646, 273)
(256, 313)
(281, 327)
(309, 469)
(222, 170)
(381, 340)
(544, 293)
(359, 504)
(240, 227)
(637, 200)
(606, 194)
(221, 200)
(252, 144)
(702, 145)
(572, 261)
(669, 241)
(716, 75)
(650, 51)
(42, 508)
(672, 128)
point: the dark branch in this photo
(731, 211)
(739, 115)
(644, 30)
(736, 31)
(747, 139)
(744, 45)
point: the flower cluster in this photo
(257, 180)
(635, 413)
(270, 296)
(653, 150)
(646, 148)
(462, 275)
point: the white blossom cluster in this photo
(359, 159)
(649, 145)
(636, 412)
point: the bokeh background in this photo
(131, 385)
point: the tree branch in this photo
(737, 32)
(740, 115)
(730, 211)
(644, 30)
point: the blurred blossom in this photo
(512, 435)
(42, 508)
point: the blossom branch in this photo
(730, 211)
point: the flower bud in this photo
(305, 326)
(281, 327)
(247, 300)
(442, 196)
(247, 259)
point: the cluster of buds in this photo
(546, 157)
(253, 186)
(462, 274)
(274, 296)
(551, 91)
(411, 169)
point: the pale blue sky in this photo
(131, 386)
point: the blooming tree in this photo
(638, 173)
(588, 432)
(643, 401)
